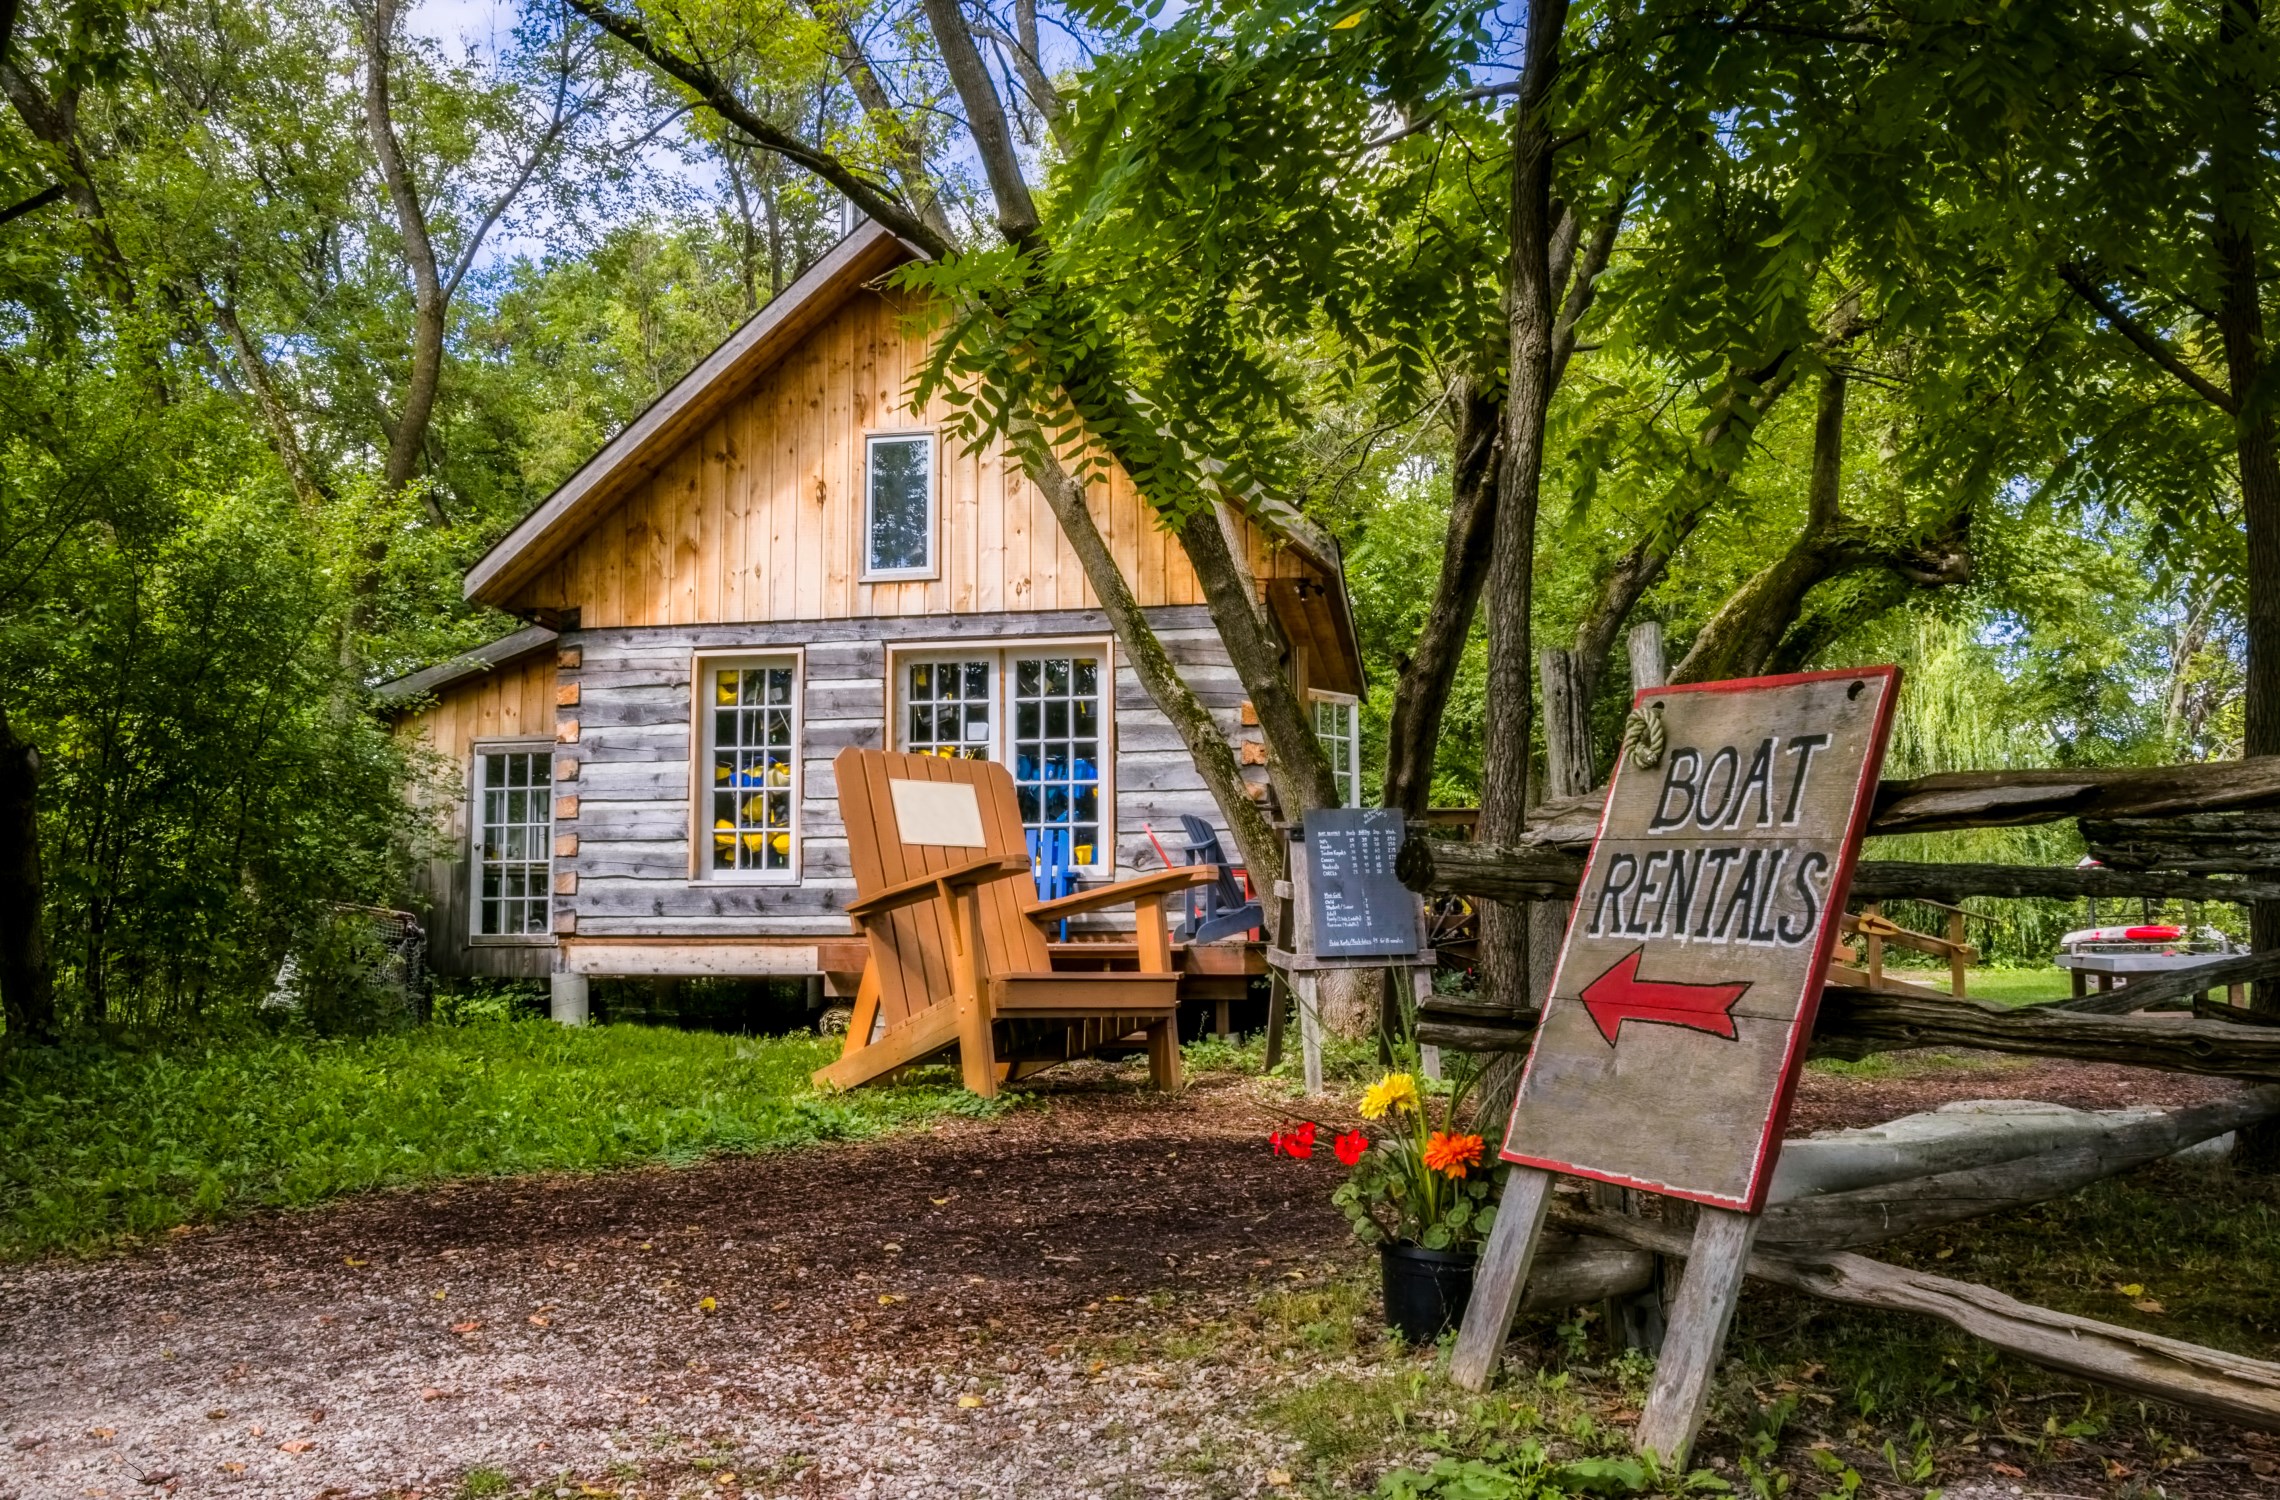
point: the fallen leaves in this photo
(2008, 1471)
(888, 1299)
(540, 1320)
(2149, 1305)
(707, 1305)
(350, 1260)
(467, 1327)
(232, 1466)
(430, 1393)
(969, 1402)
(102, 1434)
(218, 1414)
(295, 1445)
(1279, 1478)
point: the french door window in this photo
(750, 752)
(1042, 713)
(513, 842)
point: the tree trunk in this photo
(27, 983)
(1301, 771)
(2237, 168)
(409, 437)
(1511, 575)
(1199, 732)
(901, 144)
(1742, 636)
(1421, 693)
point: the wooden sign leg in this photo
(1708, 1292)
(1309, 988)
(1501, 1276)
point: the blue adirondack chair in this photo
(1049, 864)
(1216, 910)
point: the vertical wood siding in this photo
(760, 517)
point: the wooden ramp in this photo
(956, 935)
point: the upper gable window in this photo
(898, 506)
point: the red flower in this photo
(1349, 1147)
(1298, 1143)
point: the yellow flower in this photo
(1394, 1091)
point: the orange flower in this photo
(1449, 1155)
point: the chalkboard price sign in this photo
(1358, 905)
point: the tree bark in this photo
(284, 437)
(1199, 732)
(409, 437)
(1301, 772)
(1421, 691)
(1641, 567)
(894, 132)
(1511, 575)
(27, 981)
(2237, 166)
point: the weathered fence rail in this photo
(1535, 873)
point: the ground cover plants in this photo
(104, 1144)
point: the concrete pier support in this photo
(570, 999)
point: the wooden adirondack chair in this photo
(946, 902)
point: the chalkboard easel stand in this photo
(1301, 968)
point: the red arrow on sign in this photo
(1620, 995)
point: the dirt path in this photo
(807, 1321)
(915, 1317)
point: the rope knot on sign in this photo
(1644, 737)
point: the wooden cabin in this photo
(781, 558)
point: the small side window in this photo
(898, 508)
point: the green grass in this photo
(2011, 986)
(101, 1146)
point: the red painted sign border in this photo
(1809, 1003)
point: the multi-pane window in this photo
(1338, 725)
(898, 509)
(1056, 747)
(752, 775)
(946, 709)
(514, 835)
(1042, 713)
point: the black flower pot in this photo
(1425, 1290)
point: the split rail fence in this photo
(2208, 832)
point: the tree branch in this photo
(2148, 343)
(865, 194)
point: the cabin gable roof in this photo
(682, 412)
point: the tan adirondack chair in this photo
(958, 958)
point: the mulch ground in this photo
(920, 1316)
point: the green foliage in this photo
(1524, 1471)
(100, 1146)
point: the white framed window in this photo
(748, 781)
(1042, 710)
(898, 505)
(1338, 725)
(513, 855)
